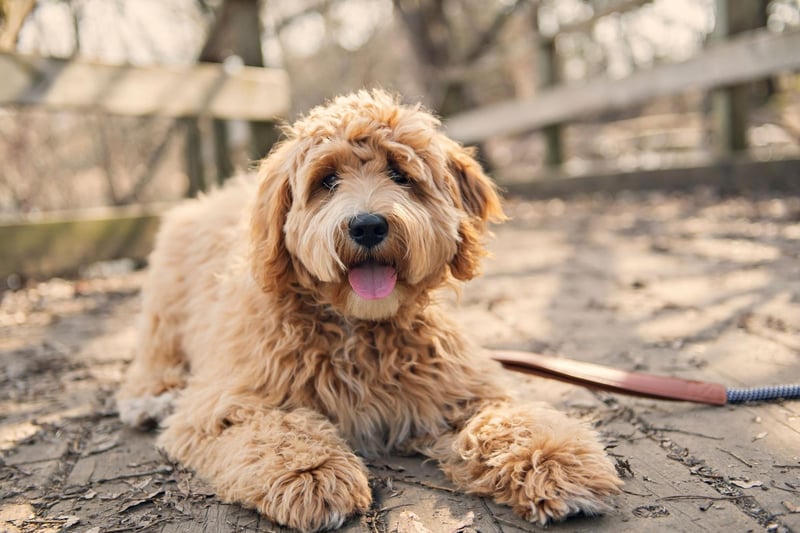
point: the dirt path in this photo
(691, 286)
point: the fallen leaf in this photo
(69, 521)
(16, 511)
(131, 504)
(651, 511)
(141, 501)
(760, 436)
(792, 508)
(409, 522)
(744, 484)
(465, 522)
(102, 445)
(388, 466)
(623, 467)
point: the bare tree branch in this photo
(490, 36)
(14, 13)
(421, 24)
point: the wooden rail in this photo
(188, 93)
(205, 89)
(747, 57)
(733, 176)
(59, 243)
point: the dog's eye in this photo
(398, 176)
(331, 181)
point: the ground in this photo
(695, 286)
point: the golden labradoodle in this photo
(289, 328)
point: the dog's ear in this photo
(478, 198)
(478, 192)
(270, 261)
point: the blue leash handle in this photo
(760, 394)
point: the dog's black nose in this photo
(368, 229)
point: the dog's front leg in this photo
(292, 466)
(543, 464)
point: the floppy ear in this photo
(478, 198)
(270, 262)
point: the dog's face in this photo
(367, 206)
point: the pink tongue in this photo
(372, 281)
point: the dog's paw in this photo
(318, 493)
(536, 460)
(550, 484)
(145, 411)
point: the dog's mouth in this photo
(372, 280)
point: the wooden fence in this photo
(202, 90)
(58, 243)
(737, 55)
(741, 53)
(745, 58)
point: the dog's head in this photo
(367, 205)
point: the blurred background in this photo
(60, 151)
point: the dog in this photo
(290, 328)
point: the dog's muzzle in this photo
(368, 229)
(370, 280)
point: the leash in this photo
(637, 383)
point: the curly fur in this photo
(283, 376)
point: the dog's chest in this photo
(383, 387)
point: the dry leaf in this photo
(102, 445)
(16, 511)
(69, 521)
(409, 522)
(465, 522)
(792, 508)
(651, 511)
(744, 484)
(141, 501)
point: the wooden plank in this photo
(565, 272)
(736, 176)
(60, 244)
(173, 91)
(751, 56)
(753, 441)
(414, 495)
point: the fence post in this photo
(548, 74)
(246, 19)
(222, 155)
(730, 106)
(237, 31)
(193, 154)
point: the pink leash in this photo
(611, 379)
